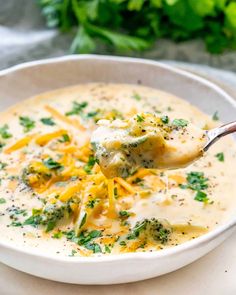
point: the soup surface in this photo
(54, 197)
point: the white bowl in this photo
(32, 78)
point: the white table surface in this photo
(214, 274)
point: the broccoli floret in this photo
(49, 215)
(151, 229)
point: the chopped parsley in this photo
(92, 203)
(201, 197)
(89, 166)
(4, 132)
(196, 181)
(124, 214)
(165, 119)
(27, 123)
(140, 118)
(92, 114)
(2, 201)
(215, 116)
(57, 235)
(83, 221)
(65, 138)
(107, 249)
(220, 157)
(136, 96)
(180, 123)
(77, 108)
(115, 192)
(93, 247)
(2, 145)
(48, 121)
(86, 239)
(2, 165)
(73, 252)
(51, 164)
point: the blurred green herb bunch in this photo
(134, 25)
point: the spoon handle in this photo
(214, 134)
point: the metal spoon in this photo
(214, 134)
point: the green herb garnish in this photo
(89, 166)
(220, 157)
(2, 201)
(180, 123)
(73, 252)
(137, 97)
(107, 249)
(2, 165)
(65, 138)
(4, 132)
(92, 114)
(140, 118)
(86, 239)
(92, 203)
(48, 121)
(215, 116)
(51, 164)
(201, 197)
(150, 229)
(27, 123)
(77, 108)
(196, 181)
(165, 119)
(57, 235)
(83, 221)
(49, 216)
(124, 214)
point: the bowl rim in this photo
(206, 238)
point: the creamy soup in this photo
(56, 199)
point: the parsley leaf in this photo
(180, 122)
(92, 203)
(165, 119)
(89, 166)
(140, 118)
(196, 181)
(65, 138)
(77, 108)
(83, 221)
(201, 197)
(4, 132)
(136, 96)
(107, 249)
(215, 116)
(220, 157)
(2, 201)
(2, 165)
(124, 214)
(86, 239)
(48, 121)
(51, 164)
(27, 123)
